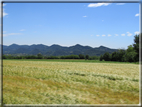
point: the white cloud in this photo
(109, 35)
(103, 35)
(98, 4)
(4, 13)
(120, 3)
(129, 34)
(84, 16)
(97, 35)
(11, 34)
(122, 34)
(137, 14)
(22, 30)
(116, 34)
(137, 32)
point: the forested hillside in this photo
(55, 50)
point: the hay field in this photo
(44, 82)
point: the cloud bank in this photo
(137, 14)
(9, 34)
(129, 34)
(116, 34)
(120, 3)
(109, 35)
(137, 33)
(122, 34)
(4, 13)
(98, 4)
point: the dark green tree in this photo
(87, 57)
(81, 56)
(93, 57)
(136, 46)
(101, 57)
(130, 49)
(4, 57)
(131, 55)
(33, 57)
(39, 56)
(114, 56)
(121, 55)
(106, 56)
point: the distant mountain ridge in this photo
(55, 50)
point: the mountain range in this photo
(54, 50)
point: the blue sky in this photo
(94, 24)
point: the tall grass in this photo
(52, 82)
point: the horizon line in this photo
(62, 45)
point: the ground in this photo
(69, 82)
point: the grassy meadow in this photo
(69, 82)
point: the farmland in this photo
(69, 82)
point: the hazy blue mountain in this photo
(55, 50)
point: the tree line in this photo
(129, 55)
(40, 56)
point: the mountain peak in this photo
(37, 44)
(102, 46)
(55, 45)
(14, 44)
(78, 45)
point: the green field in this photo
(70, 82)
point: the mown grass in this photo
(62, 82)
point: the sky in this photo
(113, 25)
